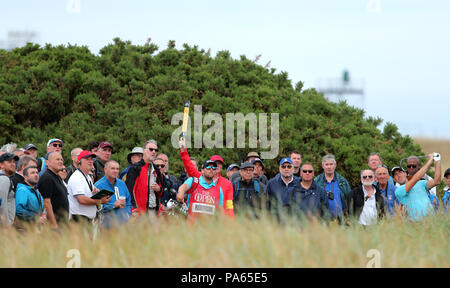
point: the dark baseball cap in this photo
(209, 163)
(447, 172)
(8, 156)
(246, 165)
(30, 146)
(397, 168)
(232, 166)
(257, 160)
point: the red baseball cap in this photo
(84, 154)
(216, 158)
(104, 145)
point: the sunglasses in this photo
(57, 145)
(367, 176)
(411, 166)
(160, 165)
(211, 167)
(307, 171)
(153, 149)
(286, 166)
(248, 170)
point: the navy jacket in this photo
(294, 199)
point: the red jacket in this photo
(226, 185)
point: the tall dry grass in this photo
(238, 243)
(436, 145)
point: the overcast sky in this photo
(398, 51)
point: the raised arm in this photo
(437, 172)
(190, 168)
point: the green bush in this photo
(128, 94)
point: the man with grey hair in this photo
(73, 167)
(145, 182)
(24, 162)
(365, 202)
(335, 185)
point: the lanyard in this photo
(88, 182)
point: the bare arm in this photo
(181, 191)
(437, 175)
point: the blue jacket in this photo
(434, 200)
(390, 201)
(109, 212)
(29, 202)
(293, 198)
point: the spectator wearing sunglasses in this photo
(165, 170)
(171, 182)
(280, 189)
(412, 166)
(248, 192)
(222, 182)
(145, 182)
(365, 202)
(335, 185)
(205, 197)
(414, 194)
(53, 145)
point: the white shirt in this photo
(77, 186)
(369, 215)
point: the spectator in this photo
(133, 157)
(387, 190)
(53, 145)
(82, 208)
(93, 146)
(7, 195)
(413, 165)
(296, 158)
(165, 170)
(29, 202)
(335, 185)
(251, 156)
(54, 191)
(248, 192)
(375, 161)
(24, 162)
(446, 197)
(145, 182)
(231, 170)
(205, 195)
(171, 183)
(103, 155)
(223, 183)
(365, 202)
(9, 148)
(118, 209)
(280, 189)
(69, 170)
(311, 199)
(414, 193)
(32, 150)
(399, 176)
(258, 171)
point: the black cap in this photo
(30, 146)
(8, 156)
(246, 165)
(397, 168)
(209, 163)
(257, 160)
(447, 172)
